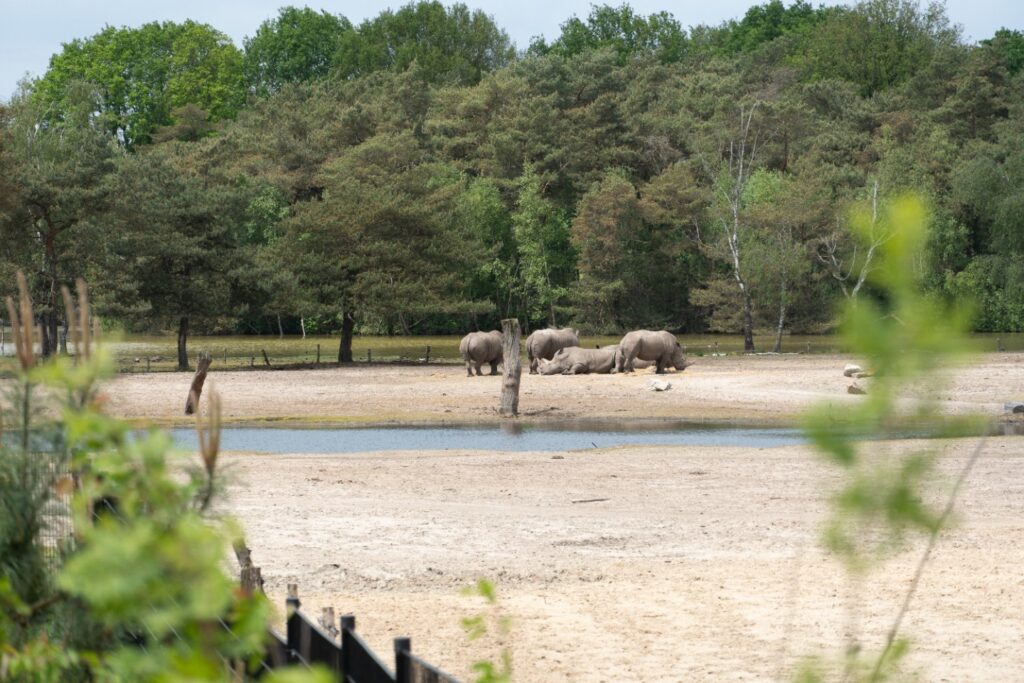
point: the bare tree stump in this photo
(196, 390)
(250, 577)
(513, 367)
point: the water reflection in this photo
(505, 436)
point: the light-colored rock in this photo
(850, 370)
(658, 385)
(855, 389)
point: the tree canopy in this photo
(414, 174)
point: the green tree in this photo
(545, 256)
(62, 172)
(375, 247)
(1009, 45)
(296, 46)
(760, 25)
(142, 74)
(622, 30)
(169, 233)
(632, 266)
(481, 216)
(879, 43)
(441, 45)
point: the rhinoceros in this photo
(574, 360)
(660, 347)
(478, 348)
(546, 343)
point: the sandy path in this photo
(702, 565)
(758, 388)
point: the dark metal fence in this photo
(351, 659)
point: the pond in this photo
(505, 437)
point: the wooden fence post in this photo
(292, 627)
(513, 367)
(196, 390)
(427, 359)
(403, 648)
(348, 627)
(369, 355)
(318, 354)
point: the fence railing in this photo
(347, 655)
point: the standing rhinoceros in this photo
(478, 348)
(660, 347)
(546, 343)
(574, 360)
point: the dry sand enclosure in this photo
(687, 564)
(734, 388)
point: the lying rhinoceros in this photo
(478, 348)
(660, 347)
(574, 360)
(546, 343)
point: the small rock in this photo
(850, 370)
(855, 389)
(1013, 408)
(558, 457)
(658, 385)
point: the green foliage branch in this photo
(908, 340)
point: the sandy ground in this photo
(688, 564)
(733, 388)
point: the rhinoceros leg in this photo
(577, 369)
(478, 373)
(469, 368)
(494, 367)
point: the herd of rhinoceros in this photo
(553, 352)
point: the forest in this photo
(420, 174)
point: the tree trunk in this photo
(782, 322)
(302, 325)
(182, 341)
(44, 336)
(280, 330)
(64, 335)
(748, 323)
(348, 326)
(49, 318)
(196, 390)
(513, 367)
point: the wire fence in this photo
(56, 534)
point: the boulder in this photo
(850, 370)
(855, 389)
(658, 385)
(1017, 408)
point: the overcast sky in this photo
(32, 30)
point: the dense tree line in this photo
(416, 174)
